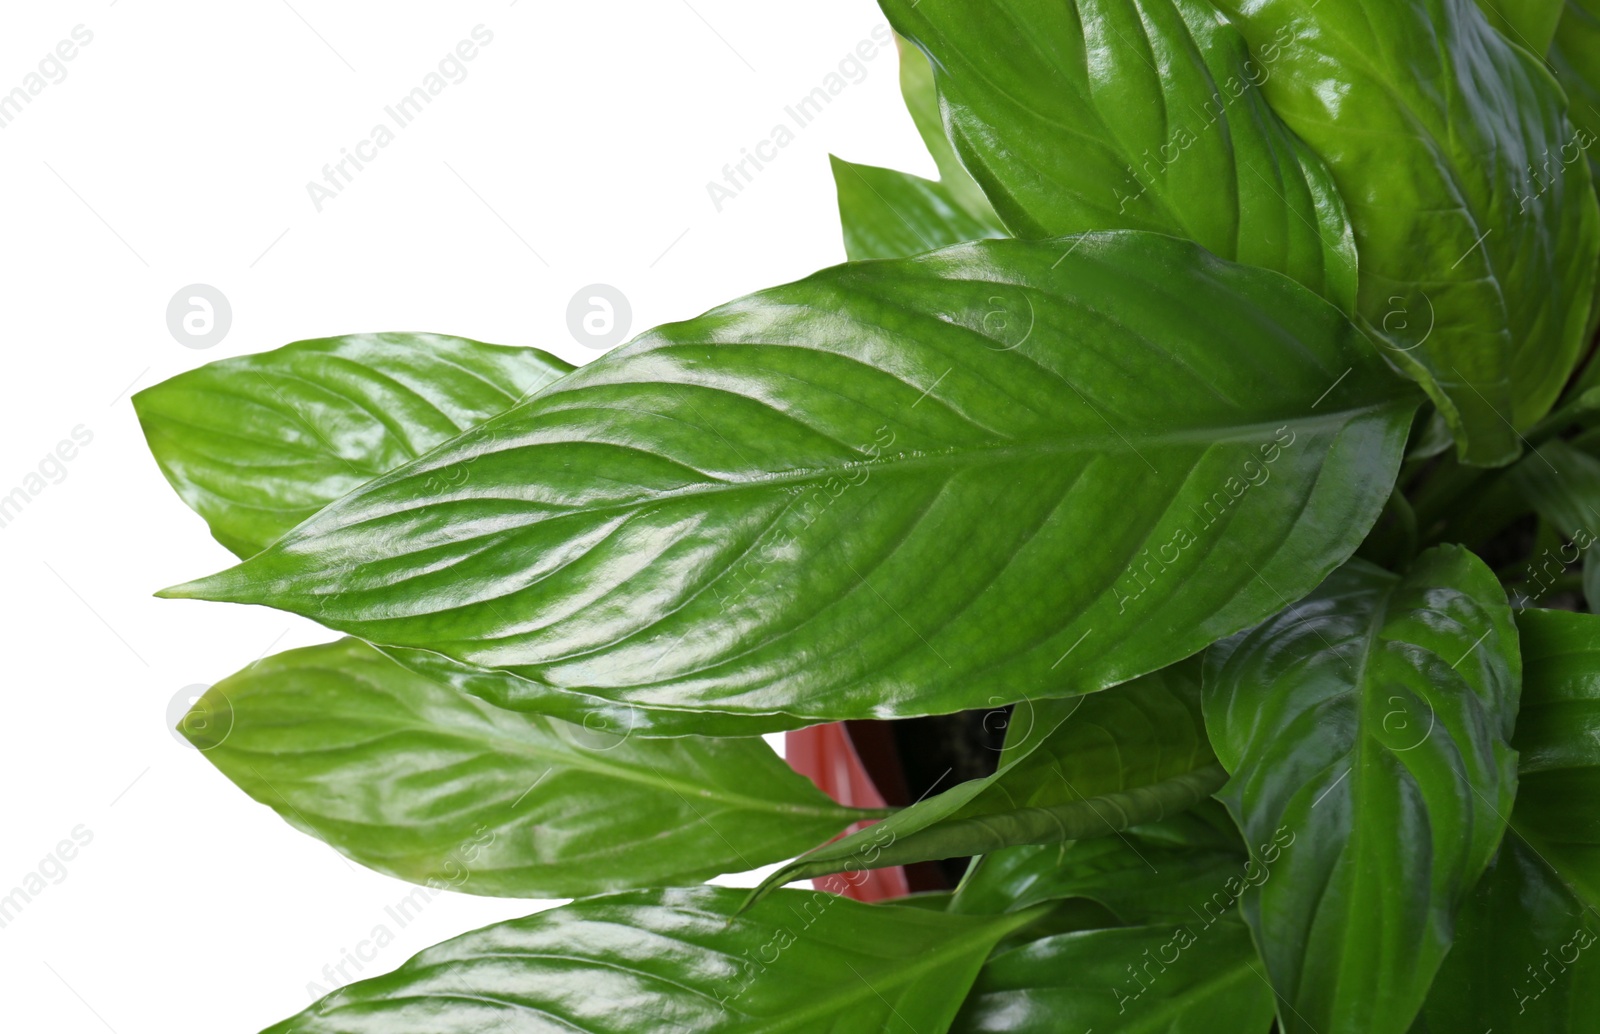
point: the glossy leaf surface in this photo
(1105, 114)
(1529, 23)
(1477, 241)
(921, 95)
(1526, 958)
(418, 781)
(679, 960)
(1180, 867)
(1370, 722)
(258, 443)
(785, 506)
(889, 214)
(1558, 801)
(1075, 769)
(1163, 979)
(598, 715)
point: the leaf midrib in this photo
(966, 455)
(1359, 779)
(491, 735)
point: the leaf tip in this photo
(220, 587)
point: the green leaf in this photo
(1558, 801)
(785, 506)
(1070, 915)
(597, 715)
(889, 214)
(922, 100)
(679, 960)
(1103, 114)
(933, 900)
(1181, 867)
(1087, 767)
(1370, 722)
(1563, 484)
(418, 781)
(1526, 958)
(1478, 238)
(257, 444)
(1185, 979)
(1529, 23)
(1575, 59)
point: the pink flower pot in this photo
(827, 755)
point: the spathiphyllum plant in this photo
(1220, 426)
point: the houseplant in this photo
(1221, 418)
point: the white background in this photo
(176, 150)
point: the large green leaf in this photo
(680, 960)
(384, 399)
(1478, 242)
(1106, 114)
(1530, 23)
(889, 214)
(1526, 958)
(1087, 767)
(421, 782)
(1182, 867)
(257, 444)
(786, 506)
(921, 95)
(1563, 485)
(1575, 58)
(1183, 979)
(1558, 736)
(1370, 722)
